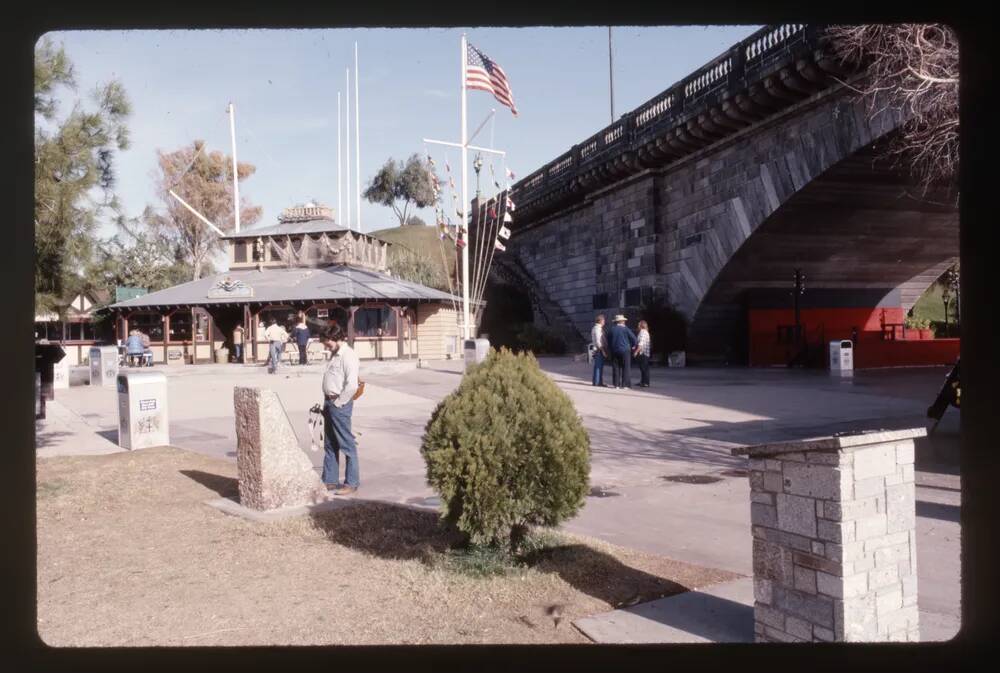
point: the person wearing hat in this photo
(622, 343)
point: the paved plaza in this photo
(646, 444)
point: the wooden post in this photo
(166, 337)
(350, 325)
(400, 326)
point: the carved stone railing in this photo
(750, 81)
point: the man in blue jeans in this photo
(599, 350)
(340, 382)
(622, 344)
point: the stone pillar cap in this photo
(845, 441)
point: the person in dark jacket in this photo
(301, 334)
(621, 343)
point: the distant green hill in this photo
(424, 241)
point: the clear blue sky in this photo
(284, 85)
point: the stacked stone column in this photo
(834, 539)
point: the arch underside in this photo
(862, 233)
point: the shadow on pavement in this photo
(711, 617)
(938, 510)
(45, 438)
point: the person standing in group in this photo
(340, 383)
(276, 337)
(599, 349)
(622, 344)
(301, 334)
(238, 343)
(642, 353)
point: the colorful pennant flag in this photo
(510, 204)
(510, 174)
(499, 246)
(504, 232)
(507, 217)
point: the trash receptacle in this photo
(842, 357)
(60, 374)
(46, 356)
(103, 365)
(222, 355)
(476, 351)
(142, 410)
(39, 398)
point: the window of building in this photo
(240, 251)
(633, 296)
(180, 326)
(147, 323)
(286, 316)
(258, 251)
(368, 321)
(88, 331)
(600, 300)
(319, 319)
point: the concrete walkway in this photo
(642, 440)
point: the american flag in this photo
(482, 73)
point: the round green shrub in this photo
(506, 450)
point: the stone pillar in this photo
(273, 470)
(834, 538)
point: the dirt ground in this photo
(129, 554)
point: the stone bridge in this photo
(714, 192)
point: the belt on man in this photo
(332, 397)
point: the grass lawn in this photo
(930, 307)
(129, 554)
(423, 240)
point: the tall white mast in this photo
(357, 139)
(340, 213)
(466, 323)
(236, 177)
(347, 143)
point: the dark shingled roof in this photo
(295, 284)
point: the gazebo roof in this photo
(245, 286)
(290, 228)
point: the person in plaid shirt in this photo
(642, 353)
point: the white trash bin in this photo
(142, 410)
(60, 374)
(842, 357)
(476, 351)
(103, 366)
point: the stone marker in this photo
(834, 538)
(273, 470)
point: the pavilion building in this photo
(306, 262)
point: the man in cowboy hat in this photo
(621, 343)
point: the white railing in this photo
(561, 165)
(588, 149)
(614, 134)
(772, 39)
(655, 110)
(709, 77)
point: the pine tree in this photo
(507, 450)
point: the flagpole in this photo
(236, 177)
(357, 139)
(611, 76)
(467, 326)
(340, 179)
(347, 143)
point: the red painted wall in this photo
(822, 325)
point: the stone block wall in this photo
(834, 540)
